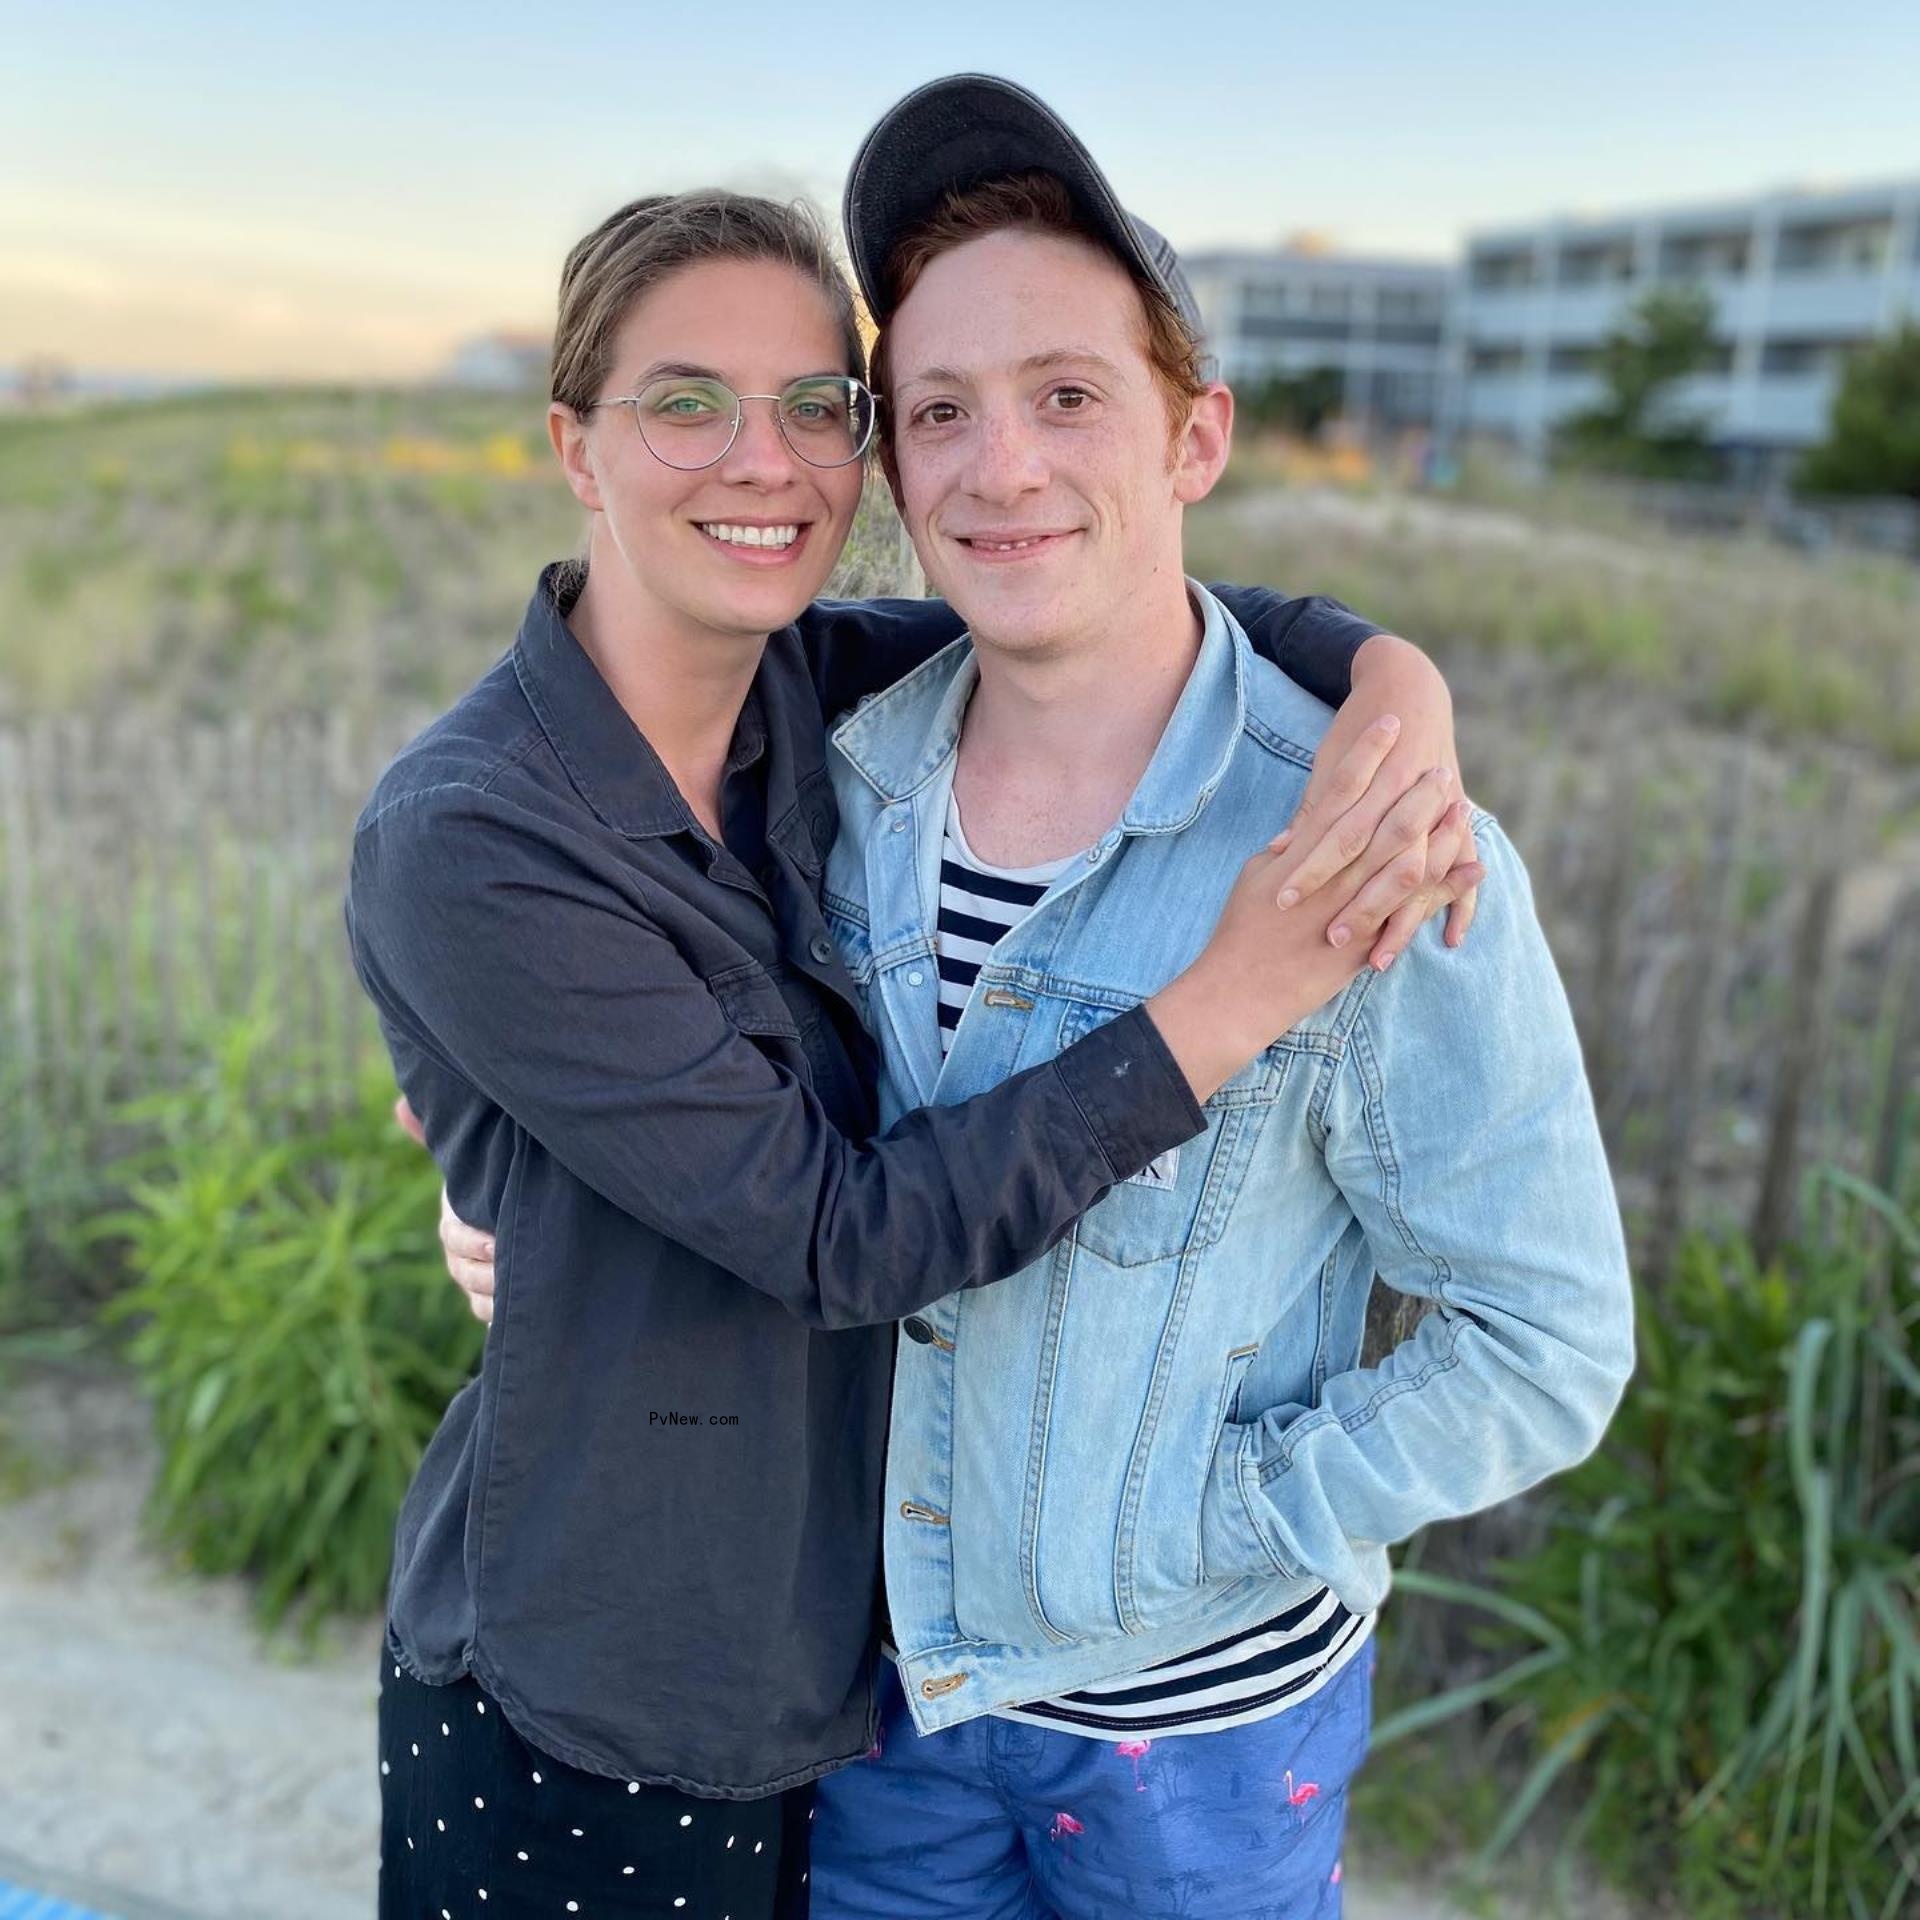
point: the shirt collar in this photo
(606, 756)
(901, 738)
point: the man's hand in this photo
(1395, 728)
(469, 1251)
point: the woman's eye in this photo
(1070, 399)
(937, 413)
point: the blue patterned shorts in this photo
(995, 1820)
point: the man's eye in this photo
(1070, 399)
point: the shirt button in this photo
(917, 1329)
(821, 949)
(899, 823)
(916, 978)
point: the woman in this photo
(632, 1608)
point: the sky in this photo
(269, 191)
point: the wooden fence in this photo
(1743, 1012)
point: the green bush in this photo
(293, 1325)
(1718, 1641)
(1873, 436)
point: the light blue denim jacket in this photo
(1160, 1433)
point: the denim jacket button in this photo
(916, 979)
(900, 823)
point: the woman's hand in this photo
(1267, 966)
(1396, 725)
(469, 1250)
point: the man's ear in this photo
(1207, 439)
(568, 432)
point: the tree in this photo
(1295, 402)
(1873, 431)
(1667, 334)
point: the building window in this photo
(1803, 356)
(1835, 246)
(1504, 270)
(1706, 256)
(1596, 263)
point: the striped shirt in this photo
(1249, 1675)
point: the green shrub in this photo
(293, 1325)
(1718, 1640)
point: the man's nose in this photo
(1005, 460)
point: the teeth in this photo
(750, 536)
(1004, 546)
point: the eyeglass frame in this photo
(739, 414)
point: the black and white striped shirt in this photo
(1247, 1676)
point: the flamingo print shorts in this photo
(996, 1820)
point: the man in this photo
(1144, 1490)
(1139, 1496)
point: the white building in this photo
(1379, 323)
(503, 362)
(1798, 278)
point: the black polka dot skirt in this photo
(474, 1822)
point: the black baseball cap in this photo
(967, 127)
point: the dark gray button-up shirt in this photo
(650, 1527)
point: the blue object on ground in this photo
(22, 1903)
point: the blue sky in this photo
(343, 190)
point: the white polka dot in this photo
(384, 1769)
(803, 1879)
(479, 1706)
(441, 1824)
(758, 1844)
(626, 1869)
(445, 1915)
(409, 1846)
(519, 1856)
(680, 1900)
(444, 1728)
(536, 1779)
(579, 1833)
(686, 1819)
(633, 1786)
(478, 1802)
(416, 1749)
(396, 1673)
(729, 1839)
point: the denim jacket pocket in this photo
(1168, 1571)
(852, 935)
(1180, 1202)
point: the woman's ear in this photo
(568, 432)
(1200, 457)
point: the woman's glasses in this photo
(689, 423)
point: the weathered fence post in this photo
(1803, 1043)
(1702, 987)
